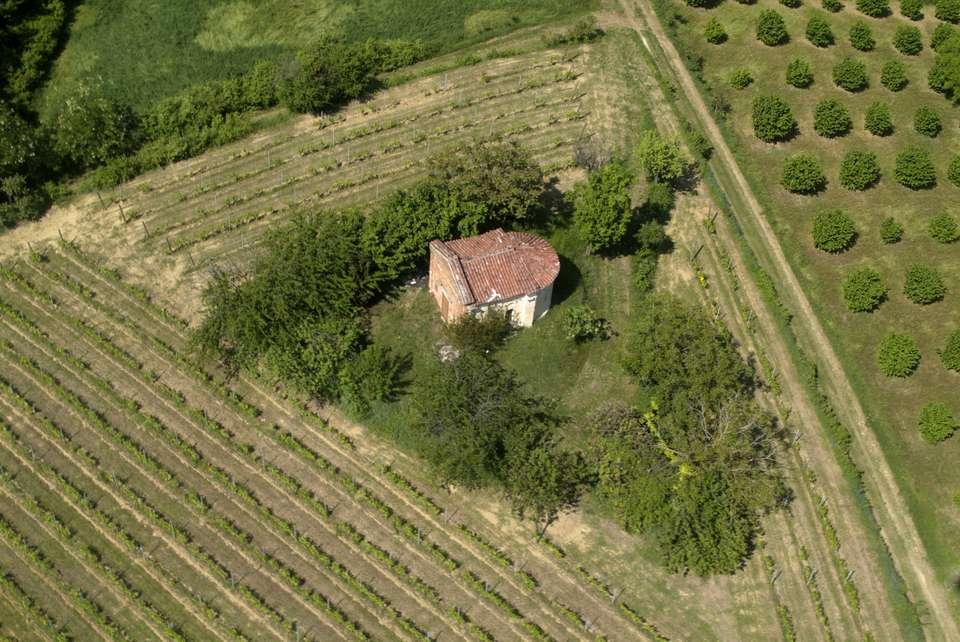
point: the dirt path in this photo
(891, 508)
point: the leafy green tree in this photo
(714, 32)
(833, 231)
(582, 323)
(948, 10)
(912, 9)
(908, 40)
(914, 169)
(898, 355)
(799, 73)
(953, 171)
(791, 4)
(542, 482)
(602, 207)
(950, 355)
(878, 120)
(893, 75)
(850, 74)
(863, 290)
(936, 422)
(944, 74)
(859, 170)
(924, 285)
(328, 75)
(803, 174)
(874, 8)
(891, 231)
(941, 34)
(372, 375)
(662, 160)
(833, 6)
(831, 118)
(927, 121)
(89, 129)
(482, 334)
(740, 78)
(773, 120)
(818, 32)
(771, 29)
(944, 228)
(24, 160)
(30, 39)
(861, 37)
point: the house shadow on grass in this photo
(567, 281)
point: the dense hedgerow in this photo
(861, 37)
(950, 355)
(948, 10)
(803, 174)
(912, 9)
(740, 78)
(927, 121)
(898, 355)
(953, 171)
(914, 169)
(936, 422)
(714, 32)
(833, 231)
(944, 228)
(863, 290)
(893, 75)
(818, 32)
(850, 74)
(878, 120)
(859, 170)
(831, 118)
(908, 40)
(891, 231)
(771, 29)
(874, 8)
(773, 120)
(924, 285)
(833, 6)
(799, 73)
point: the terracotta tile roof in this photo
(499, 265)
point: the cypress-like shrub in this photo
(773, 120)
(740, 78)
(799, 73)
(950, 355)
(859, 170)
(714, 32)
(803, 174)
(898, 355)
(831, 118)
(893, 75)
(912, 9)
(850, 74)
(927, 121)
(874, 8)
(819, 32)
(924, 285)
(944, 228)
(863, 290)
(878, 120)
(953, 171)
(771, 29)
(914, 169)
(936, 422)
(890, 231)
(908, 40)
(861, 37)
(833, 231)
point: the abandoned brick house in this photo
(511, 271)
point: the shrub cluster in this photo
(831, 118)
(941, 33)
(863, 290)
(850, 74)
(953, 171)
(802, 174)
(818, 32)
(833, 6)
(898, 355)
(944, 228)
(799, 73)
(948, 10)
(740, 78)
(714, 32)
(924, 285)
(891, 231)
(874, 8)
(791, 4)
(908, 40)
(859, 170)
(773, 120)
(927, 121)
(893, 75)
(914, 169)
(936, 422)
(950, 355)
(861, 37)
(912, 9)
(582, 323)
(878, 120)
(771, 29)
(833, 231)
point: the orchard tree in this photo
(898, 355)
(924, 285)
(90, 129)
(944, 228)
(914, 169)
(874, 8)
(850, 74)
(602, 207)
(861, 37)
(772, 119)
(803, 174)
(859, 170)
(953, 171)
(818, 32)
(891, 231)
(799, 73)
(893, 75)
(740, 78)
(878, 120)
(908, 40)
(831, 118)
(941, 34)
(936, 422)
(948, 10)
(771, 29)
(944, 74)
(950, 355)
(833, 231)
(912, 9)
(714, 32)
(833, 6)
(863, 290)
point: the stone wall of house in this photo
(440, 283)
(523, 310)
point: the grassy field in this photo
(927, 473)
(145, 51)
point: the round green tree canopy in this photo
(898, 355)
